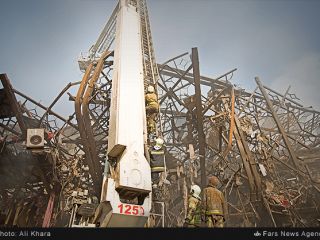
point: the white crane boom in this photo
(126, 189)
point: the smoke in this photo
(303, 75)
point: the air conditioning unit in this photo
(35, 138)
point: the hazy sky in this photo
(278, 41)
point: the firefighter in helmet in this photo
(193, 218)
(157, 161)
(152, 108)
(214, 205)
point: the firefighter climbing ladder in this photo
(269, 141)
(150, 70)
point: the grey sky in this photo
(276, 40)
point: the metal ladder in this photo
(151, 76)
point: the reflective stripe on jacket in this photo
(151, 99)
(214, 212)
(194, 211)
(157, 160)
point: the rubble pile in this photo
(263, 146)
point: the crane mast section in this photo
(106, 37)
(127, 112)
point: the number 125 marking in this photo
(131, 209)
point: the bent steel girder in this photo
(64, 150)
(256, 143)
(288, 195)
(84, 118)
(82, 129)
(88, 116)
(268, 146)
(37, 173)
(13, 104)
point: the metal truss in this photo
(62, 167)
(263, 146)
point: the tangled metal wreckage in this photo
(262, 145)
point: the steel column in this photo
(201, 136)
(277, 120)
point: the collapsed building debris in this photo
(58, 170)
(262, 145)
(257, 144)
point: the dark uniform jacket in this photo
(157, 160)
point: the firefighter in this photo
(157, 161)
(152, 108)
(214, 205)
(193, 218)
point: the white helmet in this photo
(150, 89)
(159, 143)
(195, 191)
